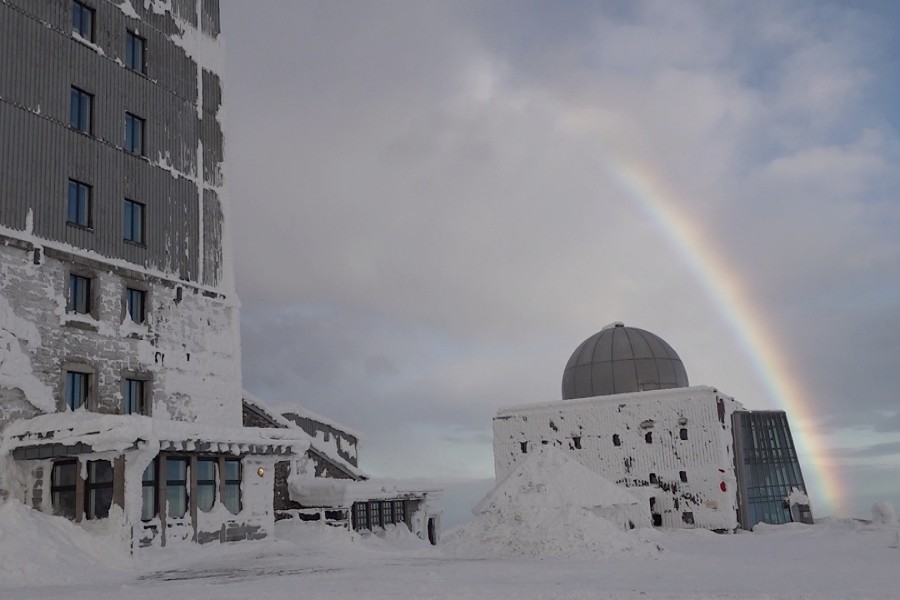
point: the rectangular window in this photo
(399, 516)
(77, 386)
(79, 204)
(135, 303)
(682, 475)
(149, 492)
(62, 488)
(231, 489)
(206, 483)
(176, 487)
(134, 51)
(98, 489)
(80, 110)
(134, 134)
(83, 20)
(360, 516)
(79, 300)
(387, 513)
(683, 433)
(374, 515)
(134, 222)
(135, 398)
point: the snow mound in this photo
(548, 507)
(39, 547)
(883, 513)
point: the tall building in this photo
(629, 414)
(120, 372)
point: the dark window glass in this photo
(62, 488)
(79, 294)
(683, 434)
(649, 437)
(134, 51)
(374, 515)
(232, 485)
(77, 385)
(80, 110)
(98, 489)
(524, 447)
(134, 222)
(617, 441)
(135, 301)
(206, 483)
(576, 441)
(176, 487)
(687, 518)
(360, 516)
(683, 476)
(387, 513)
(134, 134)
(135, 401)
(653, 479)
(399, 515)
(149, 494)
(78, 204)
(83, 20)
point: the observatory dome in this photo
(619, 359)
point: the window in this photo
(683, 433)
(135, 397)
(649, 437)
(83, 20)
(77, 388)
(617, 441)
(374, 515)
(687, 518)
(149, 492)
(206, 483)
(176, 487)
(98, 489)
(135, 304)
(576, 441)
(524, 447)
(134, 222)
(653, 479)
(657, 520)
(399, 513)
(134, 52)
(387, 513)
(79, 204)
(134, 134)
(80, 110)
(79, 294)
(683, 476)
(231, 489)
(63, 478)
(360, 516)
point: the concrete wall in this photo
(588, 430)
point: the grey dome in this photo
(620, 359)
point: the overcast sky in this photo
(428, 218)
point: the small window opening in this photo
(657, 520)
(653, 479)
(617, 441)
(683, 476)
(688, 518)
(683, 433)
(649, 437)
(576, 441)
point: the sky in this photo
(435, 203)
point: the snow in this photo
(883, 513)
(318, 491)
(16, 371)
(48, 558)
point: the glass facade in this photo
(767, 467)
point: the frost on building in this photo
(326, 485)
(628, 414)
(120, 373)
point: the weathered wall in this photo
(327, 437)
(188, 349)
(587, 430)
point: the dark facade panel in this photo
(209, 17)
(212, 238)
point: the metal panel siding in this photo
(212, 238)
(209, 13)
(211, 136)
(41, 153)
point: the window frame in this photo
(91, 510)
(132, 41)
(131, 144)
(68, 489)
(153, 485)
(173, 484)
(81, 110)
(79, 294)
(206, 483)
(229, 483)
(79, 196)
(130, 306)
(80, 10)
(134, 215)
(83, 381)
(129, 384)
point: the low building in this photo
(629, 414)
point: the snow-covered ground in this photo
(44, 557)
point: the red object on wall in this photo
(723, 487)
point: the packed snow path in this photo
(831, 560)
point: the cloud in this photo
(427, 220)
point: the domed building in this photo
(695, 455)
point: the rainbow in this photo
(721, 284)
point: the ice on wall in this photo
(16, 334)
(543, 509)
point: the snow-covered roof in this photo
(120, 432)
(550, 478)
(316, 491)
(300, 411)
(696, 391)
